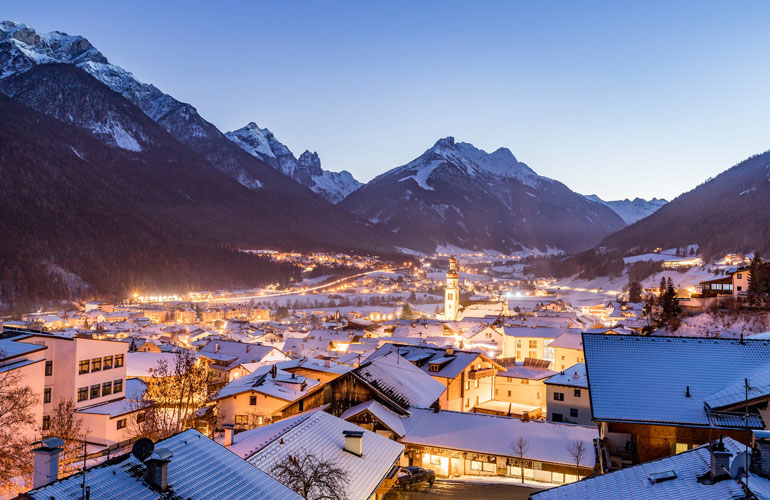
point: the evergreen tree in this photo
(634, 291)
(755, 279)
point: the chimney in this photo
(762, 442)
(720, 460)
(353, 442)
(46, 461)
(228, 435)
(247, 347)
(450, 351)
(436, 407)
(274, 371)
(157, 468)
(216, 347)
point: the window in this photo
(83, 367)
(680, 447)
(118, 360)
(533, 354)
(467, 403)
(476, 384)
(509, 394)
(518, 354)
(563, 358)
(558, 396)
(106, 388)
(117, 386)
(573, 412)
(475, 465)
(435, 460)
(82, 394)
(47, 395)
(518, 344)
(467, 385)
(122, 423)
(241, 419)
(495, 392)
(525, 381)
(557, 417)
(48, 368)
(46, 422)
(489, 467)
(95, 391)
(533, 344)
(253, 401)
(96, 365)
(557, 477)
(577, 393)
(107, 363)
(740, 276)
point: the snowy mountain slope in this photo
(457, 195)
(631, 210)
(296, 215)
(261, 143)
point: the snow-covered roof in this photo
(400, 380)
(313, 364)
(286, 386)
(114, 408)
(11, 348)
(384, 415)
(541, 332)
(646, 379)
(568, 341)
(735, 393)
(451, 362)
(526, 372)
(321, 434)
(634, 482)
(494, 435)
(247, 443)
(199, 469)
(574, 376)
(244, 352)
(145, 364)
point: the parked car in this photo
(412, 477)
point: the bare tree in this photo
(174, 393)
(312, 478)
(16, 403)
(65, 425)
(520, 448)
(577, 450)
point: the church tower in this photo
(452, 291)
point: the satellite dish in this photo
(143, 449)
(740, 464)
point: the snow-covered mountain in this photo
(631, 210)
(261, 143)
(455, 194)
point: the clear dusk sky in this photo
(621, 99)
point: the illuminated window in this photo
(82, 394)
(117, 386)
(107, 363)
(118, 360)
(106, 388)
(241, 419)
(680, 447)
(122, 423)
(476, 465)
(83, 367)
(557, 477)
(533, 344)
(577, 393)
(96, 365)
(95, 391)
(435, 460)
(489, 467)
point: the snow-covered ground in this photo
(724, 324)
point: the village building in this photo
(530, 342)
(186, 465)
(227, 358)
(468, 376)
(252, 400)
(567, 351)
(520, 390)
(25, 365)
(370, 461)
(658, 396)
(459, 443)
(709, 471)
(567, 396)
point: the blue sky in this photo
(620, 99)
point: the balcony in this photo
(482, 373)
